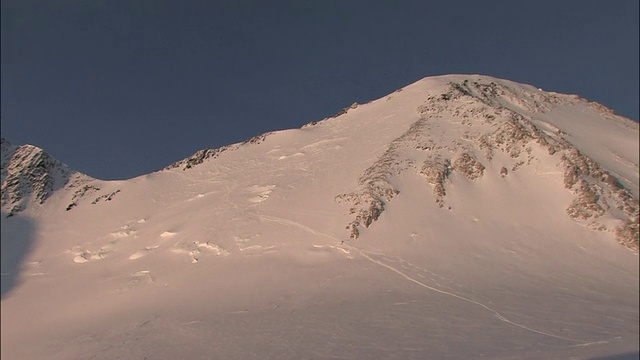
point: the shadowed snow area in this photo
(462, 216)
(15, 243)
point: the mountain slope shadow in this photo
(17, 238)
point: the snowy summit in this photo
(462, 216)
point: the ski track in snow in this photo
(364, 254)
(496, 313)
(295, 224)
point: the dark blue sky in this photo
(116, 89)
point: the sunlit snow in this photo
(247, 253)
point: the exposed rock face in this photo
(627, 234)
(367, 206)
(29, 173)
(84, 190)
(586, 205)
(599, 193)
(487, 120)
(471, 168)
(198, 158)
(203, 155)
(375, 192)
(436, 173)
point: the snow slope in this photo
(462, 216)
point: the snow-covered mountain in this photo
(461, 216)
(31, 175)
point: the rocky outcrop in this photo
(628, 233)
(203, 155)
(469, 166)
(586, 205)
(257, 139)
(493, 119)
(198, 158)
(368, 203)
(598, 193)
(84, 190)
(375, 186)
(29, 174)
(435, 172)
(366, 206)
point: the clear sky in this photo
(117, 89)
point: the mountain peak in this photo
(448, 129)
(495, 127)
(29, 174)
(492, 209)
